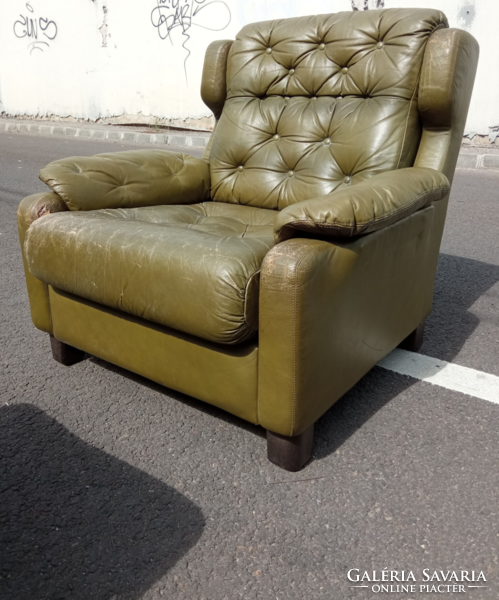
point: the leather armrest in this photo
(128, 179)
(31, 209)
(331, 309)
(365, 207)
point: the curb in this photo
(465, 161)
(478, 161)
(104, 134)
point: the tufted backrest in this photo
(317, 103)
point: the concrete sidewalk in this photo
(133, 134)
(477, 157)
(471, 157)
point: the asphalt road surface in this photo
(112, 487)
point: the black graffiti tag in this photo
(168, 15)
(364, 4)
(29, 26)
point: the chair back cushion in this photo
(317, 103)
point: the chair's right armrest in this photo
(30, 209)
(368, 206)
(330, 310)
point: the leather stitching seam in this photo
(264, 278)
(245, 299)
(45, 286)
(46, 290)
(407, 122)
(295, 344)
(454, 60)
(416, 87)
(362, 223)
(423, 92)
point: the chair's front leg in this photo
(64, 353)
(414, 340)
(290, 453)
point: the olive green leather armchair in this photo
(269, 276)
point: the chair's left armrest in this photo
(30, 209)
(129, 179)
(365, 207)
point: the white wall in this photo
(481, 19)
(104, 58)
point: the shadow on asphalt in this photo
(460, 283)
(79, 523)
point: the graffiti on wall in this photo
(169, 16)
(367, 4)
(37, 30)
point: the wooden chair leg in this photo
(414, 340)
(290, 453)
(65, 354)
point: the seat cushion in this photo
(193, 268)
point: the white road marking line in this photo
(439, 372)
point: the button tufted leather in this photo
(363, 100)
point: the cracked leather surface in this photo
(194, 268)
(214, 81)
(30, 209)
